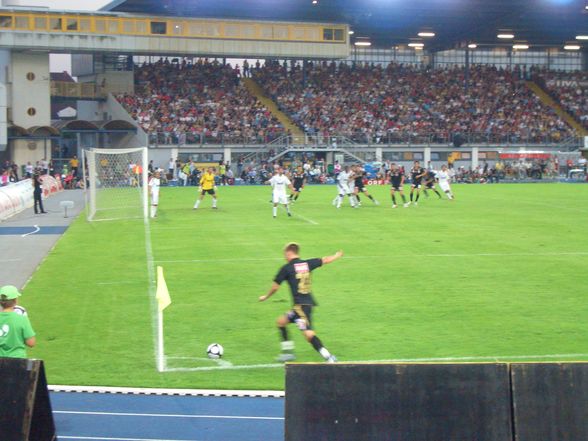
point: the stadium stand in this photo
(179, 103)
(566, 88)
(373, 104)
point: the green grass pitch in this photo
(500, 272)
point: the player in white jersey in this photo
(343, 188)
(280, 183)
(154, 184)
(444, 178)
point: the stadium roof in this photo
(390, 22)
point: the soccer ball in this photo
(214, 351)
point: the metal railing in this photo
(280, 140)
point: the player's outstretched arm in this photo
(330, 259)
(270, 293)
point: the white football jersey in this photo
(154, 184)
(443, 176)
(343, 177)
(280, 183)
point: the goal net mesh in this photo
(116, 182)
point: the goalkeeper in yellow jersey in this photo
(207, 186)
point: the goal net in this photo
(116, 183)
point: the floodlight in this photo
(351, 32)
(505, 36)
(472, 45)
(426, 34)
(416, 45)
(520, 46)
(363, 43)
(572, 47)
(581, 37)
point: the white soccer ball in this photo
(214, 351)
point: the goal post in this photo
(116, 183)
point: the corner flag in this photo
(162, 294)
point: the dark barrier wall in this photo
(550, 401)
(392, 402)
(25, 409)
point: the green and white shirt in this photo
(15, 329)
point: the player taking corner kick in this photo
(298, 274)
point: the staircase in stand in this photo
(559, 110)
(257, 91)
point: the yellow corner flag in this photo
(162, 294)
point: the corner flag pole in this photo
(163, 301)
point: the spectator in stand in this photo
(74, 163)
(570, 89)
(369, 103)
(200, 102)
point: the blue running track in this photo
(120, 417)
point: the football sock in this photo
(403, 198)
(417, 197)
(318, 346)
(426, 195)
(339, 199)
(371, 197)
(287, 209)
(394, 199)
(437, 193)
(411, 194)
(283, 333)
(197, 203)
(275, 211)
(153, 210)
(358, 198)
(214, 203)
(296, 197)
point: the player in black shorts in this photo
(298, 181)
(429, 181)
(396, 184)
(358, 185)
(297, 273)
(417, 173)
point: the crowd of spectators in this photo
(400, 102)
(570, 89)
(180, 102)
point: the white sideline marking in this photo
(152, 286)
(101, 438)
(37, 229)
(178, 392)
(218, 361)
(402, 256)
(169, 415)
(398, 360)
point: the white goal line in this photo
(494, 358)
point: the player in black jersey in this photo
(358, 185)
(396, 184)
(429, 181)
(417, 173)
(297, 273)
(298, 181)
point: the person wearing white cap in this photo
(16, 332)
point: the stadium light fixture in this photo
(426, 34)
(315, 2)
(581, 37)
(520, 46)
(363, 43)
(505, 36)
(472, 45)
(351, 32)
(572, 47)
(416, 45)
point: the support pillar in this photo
(379, 154)
(475, 157)
(427, 157)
